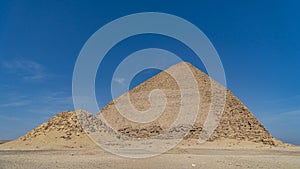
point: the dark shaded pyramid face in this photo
(234, 122)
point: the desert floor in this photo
(178, 159)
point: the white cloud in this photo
(48, 102)
(16, 104)
(288, 118)
(11, 118)
(27, 69)
(119, 80)
(291, 113)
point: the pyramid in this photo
(236, 121)
(61, 131)
(65, 129)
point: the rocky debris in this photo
(65, 122)
(91, 123)
(149, 131)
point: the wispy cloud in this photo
(10, 118)
(293, 113)
(283, 118)
(16, 104)
(284, 125)
(27, 69)
(119, 80)
(47, 102)
(287, 99)
(59, 98)
(51, 103)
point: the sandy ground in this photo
(205, 158)
(3, 141)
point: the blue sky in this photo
(258, 43)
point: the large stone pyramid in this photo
(65, 130)
(236, 122)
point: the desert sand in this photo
(239, 140)
(205, 158)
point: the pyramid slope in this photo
(237, 122)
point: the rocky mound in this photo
(61, 131)
(65, 123)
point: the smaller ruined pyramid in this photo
(61, 131)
